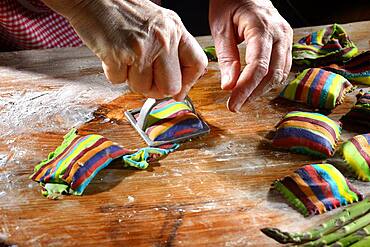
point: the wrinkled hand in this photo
(268, 39)
(137, 41)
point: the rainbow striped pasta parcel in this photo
(70, 168)
(171, 119)
(356, 70)
(307, 133)
(356, 153)
(316, 189)
(317, 88)
(328, 45)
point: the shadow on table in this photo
(3, 244)
(113, 175)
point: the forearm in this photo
(97, 21)
(66, 8)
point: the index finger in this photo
(257, 57)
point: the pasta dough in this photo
(318, 188)
(71, 167)
(356, 153)
(318, 88)
(357, 69)
(326, 46)
(171, 119)
(307, 133)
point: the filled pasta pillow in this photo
(318, 88)
(316, 189)
(307, 133)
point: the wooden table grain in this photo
(214, 191)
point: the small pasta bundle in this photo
(318, 88)
(356, 153)
(326, 46)
(307, 133)
(356, 70)
(316, 189)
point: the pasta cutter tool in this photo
(138, 118)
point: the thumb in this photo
(227, 54)
(115, 72)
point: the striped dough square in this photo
(326, 46)
(70, 168)
(356, 153)
(316, 189)
(357, 69)
(307, 133)
(317, 88)
(171, 119)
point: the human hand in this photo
(268, 39)
(137, 41)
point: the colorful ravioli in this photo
(356, 153)
(360, 113)
(324, 47)
(357, 69)
(318, 88)
(171, 119)
(71, 167)
(307, 133)
(316, 189)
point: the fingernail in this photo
(227, 104)
(229, 107)
(237, 108)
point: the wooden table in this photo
(214, 191)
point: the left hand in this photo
(268, 39)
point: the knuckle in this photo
(262, 67)
(286, 30)
(201, 63)
(171, 91)
(166, 28)
(223, 57)
(277, 76)
(173, 15)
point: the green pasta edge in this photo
(68, 138)
(291, 198)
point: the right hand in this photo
(138, 42)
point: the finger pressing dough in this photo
(171, 119)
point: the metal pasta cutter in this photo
(139, 120)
